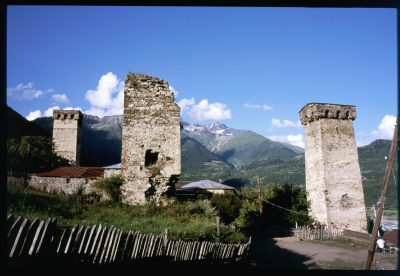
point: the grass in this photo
(343, 243)
(185, 221)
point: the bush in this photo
(248, 215)
(186, 221)
(227, 205)
(111, 186)
(202, 207)
(289, 197)
(234, 237)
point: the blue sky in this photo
(250, 68)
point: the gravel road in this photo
(291, 253)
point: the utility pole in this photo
(259, 195)
(389, 166)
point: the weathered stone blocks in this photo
(151, 147)
(333, 177)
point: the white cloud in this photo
(204, 110)
(72, 108)
(24, 92)
(361, 143)
(108, 98)
(363, 138)
(385, 129)
(98, 112)
(285, 123)
(208, 111)
(60, 98)
(174, 91)
(184, 104)
(34, 115)
(257, 106)
(49, 111)
(295, 140)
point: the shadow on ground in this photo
(265, 255)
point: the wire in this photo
(285, 208)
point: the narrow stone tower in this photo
(333, 177)
(151, 140)
(67, 134)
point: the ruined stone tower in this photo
(151, 140)
(67, 134)
(333, 177)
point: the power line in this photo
(285, 208)
(303, 214)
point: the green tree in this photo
(32, 154)
(283, 206)
(293, 203)
(248, 216)
(227, 205)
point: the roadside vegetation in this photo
(186, 220)
(194, 219)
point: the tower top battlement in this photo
(67, 114)
(315, 111)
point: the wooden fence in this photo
(359, 236)
(101, 245)
(321, 233)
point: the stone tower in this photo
(333, 177)
(67, 134)
(151, 140)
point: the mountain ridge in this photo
(274, 163)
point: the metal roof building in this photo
(74, 172)
(115, 166)
(207, 185)
(66, 180)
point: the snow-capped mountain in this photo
(213, 136)
(238, 147)
(216, 128)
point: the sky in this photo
(250, 68)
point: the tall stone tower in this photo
(67, 134)
(151, 140)
(333, 177)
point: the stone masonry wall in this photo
(66, 134)
(151, 147)
(61, 185)
(333, 177)
(67, 186)
(111, 172)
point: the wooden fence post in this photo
(165, 237)
(218, 230)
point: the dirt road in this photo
(290, 253)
